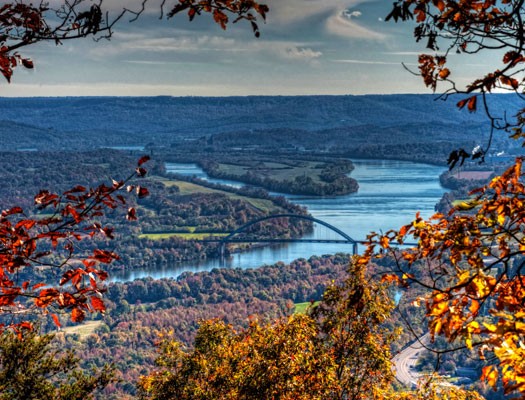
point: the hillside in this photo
(82, 123)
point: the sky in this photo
(306, 47)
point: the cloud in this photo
(164, 45)
(351, 14)
(301, 53)
(334, 16)
(140, 49)
(371, 62)
(342, 24)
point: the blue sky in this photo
(306, 47)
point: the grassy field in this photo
(83, 330)
(300, 308)
(277, 171)
(186, 236)
(192, 188)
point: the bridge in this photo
(231, 238)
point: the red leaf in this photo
(38, 286)
(142, 192)
(98, 304)
(77, 315)
(26, 325)
(143, 159)
(104, 256)
(11, 211)
(56, 320)
(76, 189)
(132, 214)
(141, 172)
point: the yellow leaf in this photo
(520, 326)
(490, 327)
(490, 374)
(437, 327)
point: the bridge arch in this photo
(226, 239)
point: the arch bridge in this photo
(231, 238)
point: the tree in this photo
(25, 23)
(472, 27)
(471, 264)
(49, 241)
(338, 351)
(31, 369)
(471, 261)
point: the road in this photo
(405, 362)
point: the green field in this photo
(83, 330)
(277, 171)
(191, 188)
(183, 235)
(300, 308)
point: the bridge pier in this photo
(222, 250)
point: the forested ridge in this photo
(418, 122)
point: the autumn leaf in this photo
(444, 73)
(143, 159)
(77, 315)
(97, 304)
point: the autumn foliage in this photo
(339, 350)
(26, 23)
(48, 240)
(491, 28)
(471, 264)
(471, 261)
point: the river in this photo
(390, 193)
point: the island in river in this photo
(313, 176)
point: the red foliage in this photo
(28, 241)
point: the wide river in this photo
(390, 193)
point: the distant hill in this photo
(91, 122)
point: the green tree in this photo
(31, 368)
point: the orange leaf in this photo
(98, 304)
(56, 320)
(444, 73)
(471, 105)
(77, 315)
(490, 374)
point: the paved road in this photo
(405, 362)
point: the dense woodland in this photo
(138, 311)
(328, 178)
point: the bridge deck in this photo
(233, 240)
